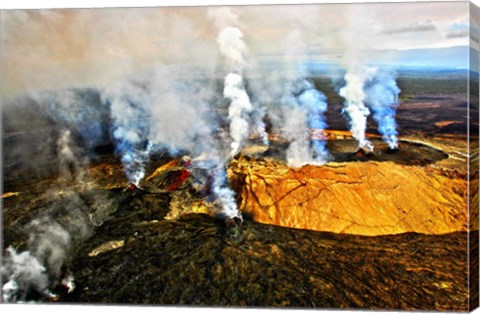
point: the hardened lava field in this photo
(132, 254)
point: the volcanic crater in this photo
(311, 236)
(383, 229)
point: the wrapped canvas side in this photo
(473, 158)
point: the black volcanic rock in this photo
(392, 150)
(198, 260)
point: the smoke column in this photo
(130, 127)
(315, 103)
(40, 266)
(258, 129)
(179, 112)
(295, 130)
(354, 105)
(370, 89)
(382, 98)
(183, 119)
(220, 194)
(224, 195)
(303, 107)
(240, 106)
(305, 112)
(366, 88)
(25, 273)
(233, 48)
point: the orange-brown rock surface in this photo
(366, 198)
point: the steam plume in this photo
(170, 110)
(180, 113)
(302, 106)
(212, 161)
(371, 89)
(232, 48)
(224, 195)
(40, 267)
(382, 98)
(354, 105)
(305, 114)
(258, 129)
(25, 273)
(51, 234)
(240, 106)
(295, 129)
(314, 103)
(130, 127)
(240, 112)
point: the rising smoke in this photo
(240, 107)
(315, 103)
(371, 89)
(295, 106)
(165, 109)
(130, 119)
(51, 235)
(183, 120)
(41, 267)
(23, 273)
(382, 98)
(169, 104)
(304, 116)
(244, 118)
(354, 106)
(224, 195)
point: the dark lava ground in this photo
(408, 153)
(198, 260)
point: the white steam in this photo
(369, 89)
(41, 266)
(366, 88)
(240, 106)
(244, 118)
(233, 48)
(296, 107)
(354, 106)
(295, 130)
(52, 234)
(382, 98)
(180, 111)
(49, 242)
(223, 194)
(165, 109)
(182, 120)
(130, 127)
(24, 274)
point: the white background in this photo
(74, 309)
(27, 4)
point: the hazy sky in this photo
(58, 48)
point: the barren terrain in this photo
(382, 230)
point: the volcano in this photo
(161, 244)
(240, 156)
